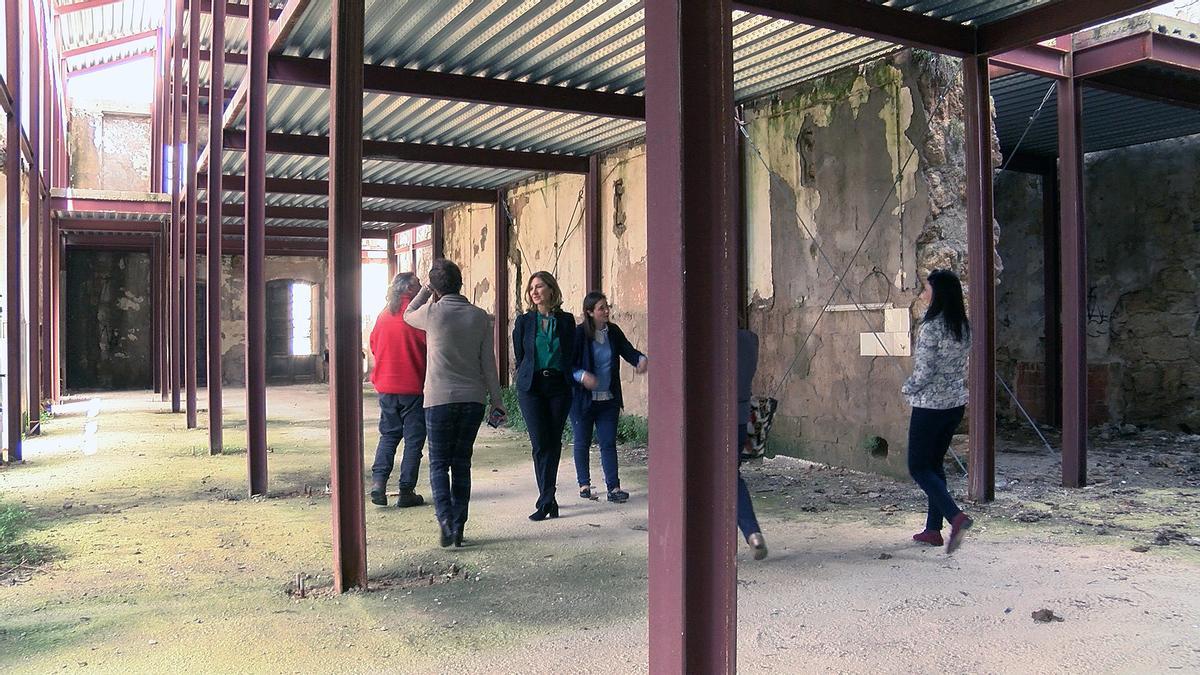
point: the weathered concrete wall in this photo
(24, 264)
(1143, 291)
(108, 320)
(824, 159)
(233, 308)
(109, 149)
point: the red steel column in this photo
(345, 293)
(500, 336)
(256, 285)
(692, 286)
(156, 118)
(981, 259)
(189, 275)
(591, 226)
(34, 334)
(12, 170)
(55, 310)
(216, 110)
(47, 238)
(173, 290)
(1073, 248)
(155, 314)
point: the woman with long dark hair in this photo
(544, 345)
(597, 403)
(937, 392)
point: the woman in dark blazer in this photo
(597, 403)
(544, 345)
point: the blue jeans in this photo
(401, 417)
(545, 408)
(452, 430)
(929, 436)
(603, 416)
(747, 521)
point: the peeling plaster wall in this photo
(1143, 282)
(109, 149)
(470, 242)
(233, 306)
(623, 257)
(547, 234)
(822, 162)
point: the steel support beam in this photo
(438, 234)
(235, 210)
(33, 321)
(12, 297)
(391, 253)
(155, 312)
(307, 72)
(176, 226)
(106, 44)
(216, 75)
(393, 151)
(12, 248)
(1050, 20)
(692, 288)
(873, 20)
(156, 117)
(1153, 86)
(1033, 59)
(233, 9)
(500, 335)
(591, 226)
(60, 10)
(189, 276)
(300, 186)
(1052, 300)
(1073, 249)
(981, 263)
(256, 285)
(345, 293)
(137, 56)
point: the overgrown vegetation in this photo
(14, 553)
(630, 428)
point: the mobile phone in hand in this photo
(495, 418)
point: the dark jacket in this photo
(524, 349)
(585, 360)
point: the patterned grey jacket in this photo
(939, 378)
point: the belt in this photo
(548, 372)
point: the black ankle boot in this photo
(408, 498)
(379, 495)
(446, 535)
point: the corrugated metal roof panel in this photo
(1109, 120)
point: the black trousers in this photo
(929, 436)
(545, 407)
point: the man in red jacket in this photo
(399, 377)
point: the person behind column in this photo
(937, 392)
(597, 400)
(543, 343)
(461, 375)
(747, 364)
(399, 378)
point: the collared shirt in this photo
(547, 351)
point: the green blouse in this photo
(547, 351)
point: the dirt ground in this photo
(161, 563)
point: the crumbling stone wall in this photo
(547, 234)
(870, 156)
(1143, 215)
(109, 149)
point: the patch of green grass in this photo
(14, 522)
